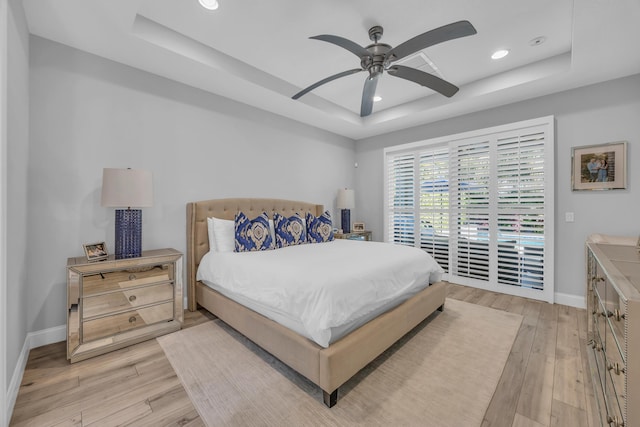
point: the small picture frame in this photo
(96, 251)
(358, 226)
(599, 167)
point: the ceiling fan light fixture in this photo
(498, 54)
(209, 4)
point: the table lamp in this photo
(346, 201)
(127, 188)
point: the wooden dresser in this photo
(118, 302)
(613, 309)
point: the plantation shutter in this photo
(401, 199)
(481, 203)
(434, 204)
(470, 178)
(521, 209)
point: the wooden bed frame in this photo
(330, 367)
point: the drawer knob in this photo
(607, 313)
(132, 276)
(616, 368)
(600, 279)
(132, 298)
(615, 421)
(619, 316)
(132, 319)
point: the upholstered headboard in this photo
(197, 235)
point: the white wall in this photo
(595, 114)
(88, 113)
(15, 173)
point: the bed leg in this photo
(330, 399)
(441, 308)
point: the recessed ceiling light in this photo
(499, 54)
(209, 4)
(377, 98)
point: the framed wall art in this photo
(599, 167)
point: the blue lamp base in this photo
(346, 220)
(128, 233)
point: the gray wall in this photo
(88, 113)
(595, 114)
(17, 181)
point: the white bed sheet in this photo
(322, 290)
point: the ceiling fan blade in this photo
(352, 47)
(368, 93)
(441, 34)
(327, 80)
(424, 79)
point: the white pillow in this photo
(212, 239)
(224, 234)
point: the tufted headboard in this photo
(197, 235)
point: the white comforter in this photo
(323, 285)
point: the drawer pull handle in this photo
(599, 279)
(619, 316)
(615, 421)
(132, 298)
(132, 276)
(132, 319)
(607, 313)
(616, 368)
(596, 346)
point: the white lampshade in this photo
(346, 199)
(127, 188)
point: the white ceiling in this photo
(258, 52)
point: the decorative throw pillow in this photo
(319, 228)
(289, 231)
(252, 235)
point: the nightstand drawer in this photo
(116, 280)
(111, 325)
(124, 300)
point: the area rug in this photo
(443, 373)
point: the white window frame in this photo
(543, 124)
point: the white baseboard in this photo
(577, 301)
(33, 340)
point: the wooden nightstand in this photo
(118, 302)
(354, 235)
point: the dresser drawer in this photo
(110, 281)
(113, 302)
(111, 325)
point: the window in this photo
(481, 203)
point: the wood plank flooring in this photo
(545, 381)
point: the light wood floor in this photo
(545, 381)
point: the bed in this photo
(328, 367)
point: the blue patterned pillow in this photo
(289, 231)
(319, 228)
(252, 235)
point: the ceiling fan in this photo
(379, 57)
